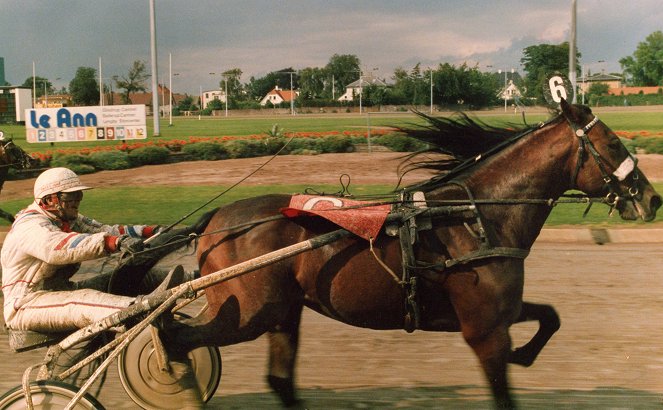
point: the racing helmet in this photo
(56, 180)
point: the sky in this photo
(260, 36)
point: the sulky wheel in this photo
(151, 388)
(47, 395)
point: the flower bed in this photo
(137, 153)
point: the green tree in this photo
(464, 85)
(412, 87)
(84, 88)
(598, 89)
(541, 61)
(235, 88)
(40, 83)
(185, 104)
(134, 80)
(259, 87)
(312, 83)
(645, 66)
(341, 70)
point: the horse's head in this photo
(11, 155)
(604, 167)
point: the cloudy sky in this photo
(259, 36)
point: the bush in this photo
(399, 143)
(300, 144)
(335, 144)
(246, 148)
(110, 160)
(651, 145)
(207, 151)
(150, 155)
(80, 164)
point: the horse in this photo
(469, 266)
(12, 156)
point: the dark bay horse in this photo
(11, 156)
(511, 187)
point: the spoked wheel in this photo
(151, 388)
(47, 395)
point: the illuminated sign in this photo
(69, 124)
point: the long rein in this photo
(439, 208)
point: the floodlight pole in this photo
(155, 73)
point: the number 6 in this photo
(557, 89)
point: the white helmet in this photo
(56, 180)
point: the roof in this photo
(146, 98)
(286, 95)
(367, 80)
(602, 77)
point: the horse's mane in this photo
(452, 141)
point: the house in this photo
(115, 98)
(211, 95)
(510, 92)
(613, 81)
(355, 88)
(277, 96)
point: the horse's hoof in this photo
(520, 357)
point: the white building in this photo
(354, 89)
(212, 95)
(277, 96)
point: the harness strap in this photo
(484, 253)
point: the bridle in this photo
(8, 151)
(626, 168)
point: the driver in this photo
(44, 249)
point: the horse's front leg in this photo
(548, 324)
(283, 343)
(493, 351)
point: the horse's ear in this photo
(569, 111)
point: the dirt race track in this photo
(607, 354)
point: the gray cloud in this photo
(259, 36)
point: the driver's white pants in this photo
(59, 311)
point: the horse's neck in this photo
(536, 167)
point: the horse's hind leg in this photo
(283, 343)
(548, 324)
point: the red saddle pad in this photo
(358, 217)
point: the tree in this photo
(540, 62)
(464, 85)
(234, 86)
(39, 82)
(341, 70)
(186, 104)
(645, 67)
(259, 87)
(312, 83)
(84, 88)
(134, 81)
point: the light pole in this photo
(431, 90)
(225, 79)
(584, 83)
(513, 70)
